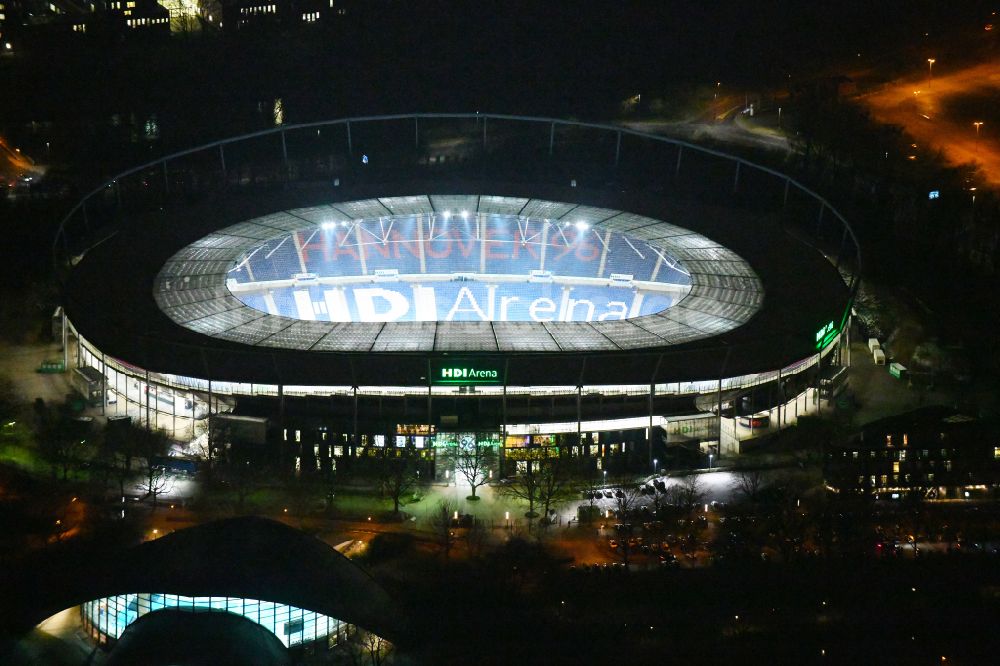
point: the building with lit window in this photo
(388, 301)
(293, 586)
(143, 15)
(935, 452)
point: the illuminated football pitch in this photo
(468, 267)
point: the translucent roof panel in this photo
(465, 336)
(523, 336)
(407, 205)
(455, 203)
(359, 210)
(405, 336)
(502, 205)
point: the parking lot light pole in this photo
(710, 456)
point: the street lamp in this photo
(710, 456)
(978, 124)
(930, 67)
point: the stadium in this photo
(539, 284)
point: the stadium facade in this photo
(416, 281)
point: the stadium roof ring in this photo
(457, 273)
(595, 264)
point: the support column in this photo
(104, 384)
(281, 404)
(552, 137)
(781, 397)
(354, 442)
(579, 414)
(649, 438)
(222, 161)
(501, 461)
(65, 339)
(677, 169)
(618, 147)
(736, 179)
(350, 148)
(211, 438)
(719, 456)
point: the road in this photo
(934, 112)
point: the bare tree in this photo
(687, 493)
(367, 649)
(397, 472)
(476, 538)
(242, 474)
(152, 445)
(474, 463)
(61, 439)
(556, 485)
(441, 525)
(749, 483)
(526, 486)
(627, 494)
(155, 483)
(116, 450)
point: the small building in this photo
(935, 452)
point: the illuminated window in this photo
(338, 451)
(902, 455)
(930, 477)
(884, 479)
(284, 434)
(947, 465)
(298, 435)
(854, 454)
(996, 452)
(895, 467)
(906, 439)
(888, 440)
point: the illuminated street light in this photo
(978, 124)
(710, 456)
(930, 67)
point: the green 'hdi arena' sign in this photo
(468, 372)
(825, 335)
